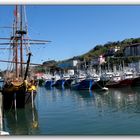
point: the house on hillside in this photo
(112, 51)
(98, 60)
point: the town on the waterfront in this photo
(113, 65)
(93, 91)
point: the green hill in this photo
(104, 49)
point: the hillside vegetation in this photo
(103, 49)
(95, 52)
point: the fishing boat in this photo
(68, 80)
(63, 82)
(82, 82)
(136, 80)
(19, 86)
(98, 86)
(106, 76)
(85, 84)
(121, 81)
(99, 82)
(50, 81)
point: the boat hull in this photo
(49, 83)
(16, 97)
(83, 85)
(120, 84)
(59, 83)
(67, 83)
(98, 84)
(62, 83)
(40, 82)
(136, 81)
(12, 96)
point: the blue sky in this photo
(73, 30)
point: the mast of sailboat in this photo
(19, 32)
(21, 38)
(16, 41)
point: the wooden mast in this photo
(19, 33)
(16, 42)
(21, 47)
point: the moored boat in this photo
(99, 85)
(85, 84)
(49, 83)
(119, 81)
(19, 86)
(63, 82)
(136, 80)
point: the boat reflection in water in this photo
(21, 121)
(72, 112)
(123, 99)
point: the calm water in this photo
(69, 112)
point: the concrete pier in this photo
(1, 117)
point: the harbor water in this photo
(70, 112)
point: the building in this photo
(132, 50)
(112, 51)
(68, 64)
(98, 60)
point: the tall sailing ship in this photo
(19, 88)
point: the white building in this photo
(68, 64)
(98, 60)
